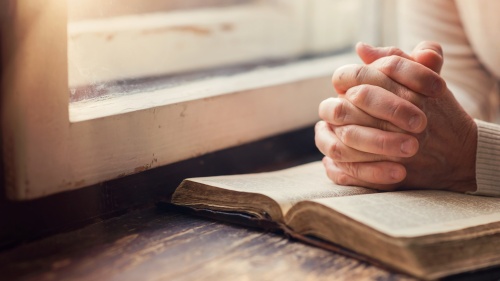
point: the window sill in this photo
(53, 149)
(207, 88)
(46, 151)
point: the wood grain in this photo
(160, 244)
(164, 245)
(28, 220)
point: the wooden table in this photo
(159, 244)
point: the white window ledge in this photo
(206, 88)
(50, 148)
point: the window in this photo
(152, 84)
(126, 53)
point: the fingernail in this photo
(415, 122)
(407, 147)
(396, 174)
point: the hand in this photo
(372, 136)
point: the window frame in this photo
(45, 153)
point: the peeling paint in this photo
(142, 168)
(146, 166)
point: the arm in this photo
(440, 21)
(471, 83)
(468, 73)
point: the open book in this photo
(429, 234)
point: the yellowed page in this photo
(286, 187)
(417, 213)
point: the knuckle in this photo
(360, 73)
(342, 133)
(360, 95)
(394, 110)
(318, 139)
(395, 51)
(381, 143)
(347, 134)
(382, 125)
(392, 64)
(318, 126)
(410, 96)
(319, 136)
(322, 108)
(353, 170)
(335, 76)
(341, 74)
(339, 113)
(335, 151)
(341, 178)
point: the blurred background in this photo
(127, 46)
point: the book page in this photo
(286, 187)
(417, 213)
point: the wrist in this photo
(467, 163)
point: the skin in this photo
(395, 124)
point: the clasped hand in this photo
(396, 125)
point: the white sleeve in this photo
(439, 20)
(488, 159)
(470, 81)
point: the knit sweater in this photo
(468, 32)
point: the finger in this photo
(384, 105)
(369, 54)
(429, 54)
(411, 74)
(352, 75)
(376, 175)
(376, 141)
(338, 111)
(329, 144)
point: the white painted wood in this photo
(45, 153)
(165, 43)
(389, 23)
(223, 85)
(92, 9)
(333, 24)
(34, 106)
(371, 22)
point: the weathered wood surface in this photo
(155, 244)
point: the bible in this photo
(428, 234)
